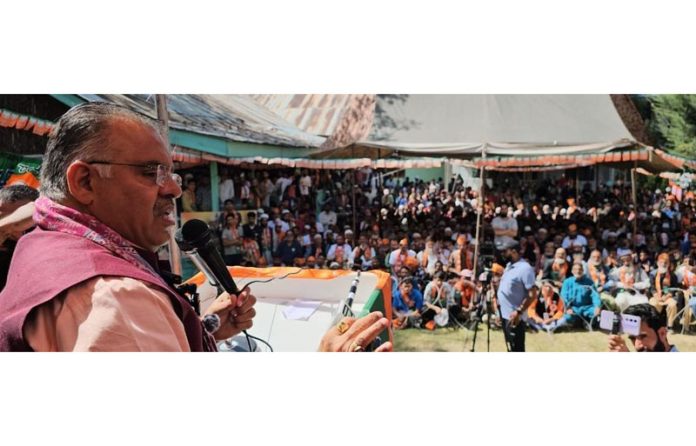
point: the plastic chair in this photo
(686, 314)
(588, 324)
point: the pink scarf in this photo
(51, 216)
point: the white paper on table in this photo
(300, 310)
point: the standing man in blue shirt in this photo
(517, 291)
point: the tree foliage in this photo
(384, 124)
(672, 122)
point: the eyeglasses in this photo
(159, 172)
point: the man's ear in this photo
(80, 178)
(662, 335)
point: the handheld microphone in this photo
(195, 239)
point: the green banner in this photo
(13, 164)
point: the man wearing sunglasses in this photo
(88, 277)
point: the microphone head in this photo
(194, 234)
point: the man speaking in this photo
(516, 292)
(87, 278)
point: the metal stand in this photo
(485, 304)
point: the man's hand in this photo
(514, 318)
(570, 311)
(18, 221)
(617, 344)
(432, 307)
(360, 333)
(596, 311)
(235, 312)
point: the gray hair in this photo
(79, 135)
(18, 192)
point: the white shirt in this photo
(504, 224)
(305, 184)
(432, 260)
(226, 190)
(284, 226)
(347, 252)
(394, 255)
(327, 218)
(580, 240)
(282, 183)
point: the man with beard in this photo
(664, 288)
(340, 252)
(547, 259)
(106, 207)
(429, 256)
(631, 281)
(580, 297)
(397, 258)
(363, 255)
(573, 238)
(557, 271)
(516, 293)
(461, 258)
(653, 332)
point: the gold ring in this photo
(355, 347)
(342, 327)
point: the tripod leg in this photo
(473, 344)
(488, 322)
(505, 332)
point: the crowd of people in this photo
(590, 248)
(85, 274)
(582, 249)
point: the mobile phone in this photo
(617, 323)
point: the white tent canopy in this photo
(506, 125)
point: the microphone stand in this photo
(348, 305)
(347, 311)
(485, 299)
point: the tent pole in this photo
(355, 228)
(381, 179)
(635, 201)
(163, 118)
(479, 213)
